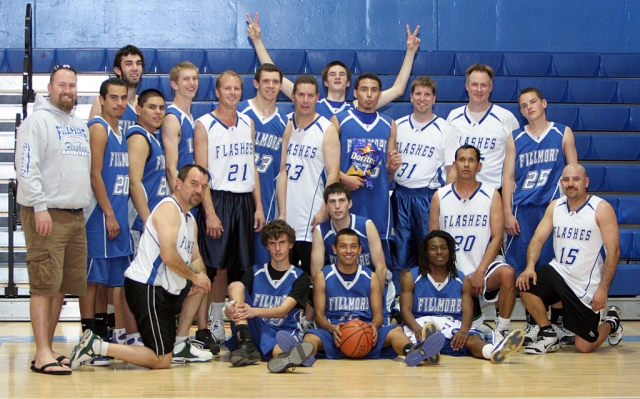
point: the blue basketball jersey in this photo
(326, 109)
(154, 179)
(115, 174)
(539, 164)
(268, 151)
(268, 293)
(347, 300)
(437, 299)
(372, 203)
(128, 119)
(185, 146)
(359, 225)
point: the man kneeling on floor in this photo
(266, 307)
(333, 290)
(436, 281)
(166, 272)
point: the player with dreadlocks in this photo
(436, 297)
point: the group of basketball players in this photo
(304, 198)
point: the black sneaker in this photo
(206, 337)
(244, 353)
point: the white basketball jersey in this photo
(469, 222)
(489, 135)
(306, 178)
(578, 247)
(230, 154)
(148, 267)
(425, 152)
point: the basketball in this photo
(357, 339)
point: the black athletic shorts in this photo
(578, 317)
(300, 255)
(234, 249)
(155, 310)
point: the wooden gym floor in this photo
(609, 372)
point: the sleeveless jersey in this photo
(578, 247)
(373, 203)
(148, 267)
(128, 119)
(306, 176)
(359, 225)
(539, 165)
(489, 136)
(154, 178)
(425, 152)
(230, 154)
(324, 108)
(429, 300)
(468, 221)
(268, 293)
(115, 174)
(268, 152)
(185, 146)
(347, 300)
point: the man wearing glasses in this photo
(53, 162)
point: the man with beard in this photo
(53, 161)
(128, 65)
(166, 271)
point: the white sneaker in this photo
(507, 346)
(190, 351)
(613, 313)
(543, 344)
(530, 334)
(565, 336)
(217, 329)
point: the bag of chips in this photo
(365, 157)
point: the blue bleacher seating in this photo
(397, 110)
(149, 82)
(626, 244)
(165, 87)
(629, 91)
(318, 59)
(515, 110)
(612, 199)
(615, 147)
(286, 107)
(604, 117)
(628, 209)
(14, 60)
(583, 141)
(635, 246)
(240, 61)
(596, 173)
(464, 59)
(592, 90)
(149, 59)
(554, 90)
(3, 67)
(504, 89)
(167, 58)
(434, 63)
(199, 108)
(82, 59)
(289, 61)
(248, 90)
(443, 109)
(205, 89)
(576, 64)
(379, 62)
(527, 64)
(566, 114)
(625, 281)
(43, 60)
(387, 82)
(621, 178)
(620, 65)
(450, 88)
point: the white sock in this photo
(110, 309)
(104, 347)
(486, 351)
(216, 310)
(117, 332)
(181, 339)
(503, 324)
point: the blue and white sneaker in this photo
(100, 361)
(424, 350)
(287, 341)
(507, 346)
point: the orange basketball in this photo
(357, 339)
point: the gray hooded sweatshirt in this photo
(53, 159)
